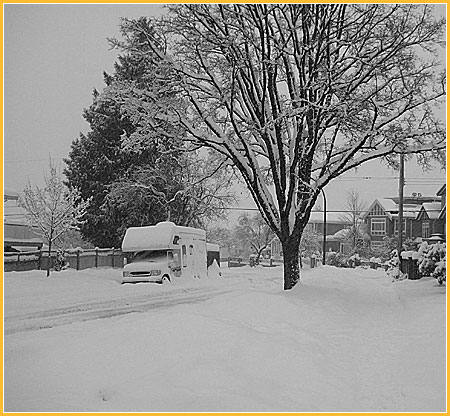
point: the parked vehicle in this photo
(164, 251)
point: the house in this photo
(432, 216)
(429, 220)
(442, 194)
(335, 222)
(420, 217)
(17, 234)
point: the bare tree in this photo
(354, 208)
(255, 232)
(53, 210)
(294, 95)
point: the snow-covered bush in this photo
(335, 259)
(432, 260)
(354, 260)
(393, 266)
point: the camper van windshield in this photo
(150, 255)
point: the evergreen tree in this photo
(138, 172)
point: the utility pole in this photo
(401, 185)
(324, 244)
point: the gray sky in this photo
(54, 55)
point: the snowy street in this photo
(341, 340)
(85, 311)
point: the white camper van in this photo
(164, 251)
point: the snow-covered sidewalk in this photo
(342, 340)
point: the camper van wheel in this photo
(166, 278)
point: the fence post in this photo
(96, 256)
(112, 261)
(18, 257)
(78, 259)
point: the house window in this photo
(425, 229)
(378, 226)
(396, 227)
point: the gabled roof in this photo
(410, 211)
(441, 190)
(387, 205)
(432, 210)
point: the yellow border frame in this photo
(177, 1)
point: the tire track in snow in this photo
(104, 309)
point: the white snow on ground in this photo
(341, 340)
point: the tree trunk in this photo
(49, 261)
(258, 254)
(291, 259)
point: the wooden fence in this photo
(76, 259)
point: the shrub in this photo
(393, 269)
(432, 261)
(343, 260)
(335, 259)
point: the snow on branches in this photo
(54, 209)
(295, 95)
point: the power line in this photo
(329, 210)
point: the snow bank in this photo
(342, 340)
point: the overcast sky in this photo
(55, 55)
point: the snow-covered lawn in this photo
(341, 340)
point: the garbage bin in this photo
(410, 264)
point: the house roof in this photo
(431, 209)
(388, 206)
(13, 214)
(441, 190)
(410, 210)
(10, 194)
(332, 218)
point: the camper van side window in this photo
(183, 250)
(176, 238)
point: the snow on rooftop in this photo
(388, 204)
(332, 217)
(433, 209)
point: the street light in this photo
(324, 243)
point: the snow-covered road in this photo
(86, 311)
(341, 341)
(33, 301)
